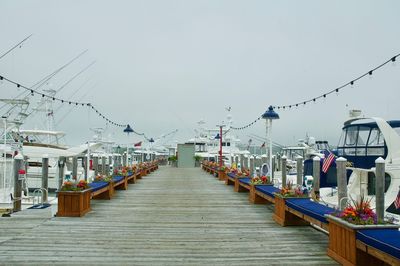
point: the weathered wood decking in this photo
(171, 217)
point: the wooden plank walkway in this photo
(171, 217)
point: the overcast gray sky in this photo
(164, 65)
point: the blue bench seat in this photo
(98, 185)
(310, 208)
(245, 180)
(117, 178)
(267, 189)
(231, 175)
(386, 240)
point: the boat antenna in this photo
(15, 46)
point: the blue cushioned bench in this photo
(101, 190)
(242, 184)
(260, 194)
(230, 180)
(383, 244)
(120, 182)
(309, 211)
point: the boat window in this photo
(371, 182)
(349, 151)
(376, 138)
(363, 133)
(351, 136)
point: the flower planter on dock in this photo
(73, 203)
(342, 242)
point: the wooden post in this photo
(103, 165)
(380, 188)
(284, 161)
(61, 164)
(342, 182)
(299, 166)
(45, 177)
(272, 171)
(316, 175)
(96, 164)
(74, 167)
(241, 161)
(18, 165)
(124, 159)
(245, 162)
(110, 160)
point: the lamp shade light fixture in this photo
(270, 114)
(128, 129)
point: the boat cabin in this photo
(361, 143)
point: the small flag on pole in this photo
(327, 162)
(263, 145)
(397, 201)
(139, 144)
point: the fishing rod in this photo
(15, 46)
(75, 76)
(74, 93)
(44, 80)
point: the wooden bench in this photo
(300, 211)
(242, 184)
(120, 182)
(379, 247)
(102, 190)
(230, 179)
(262, 194)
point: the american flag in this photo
(263, 145)
(139, 144)
(327, 162)
(397, 201)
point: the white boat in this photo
(207, 143)
(362, 142)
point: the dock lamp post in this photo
(151, 140)
(127, 130)
(270, 115)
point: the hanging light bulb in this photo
(393, 61)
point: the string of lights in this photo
(63, 101)
(324, 95)
(248, 125)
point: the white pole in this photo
(88, 162)
(270, 145)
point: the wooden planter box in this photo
(284, 218)
(342, 242)
(73, 203)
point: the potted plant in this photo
(343, 226)
(197, 159)
(73, 199)
(173, 160)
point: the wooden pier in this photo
(170, 217)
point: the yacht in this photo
(364, 140)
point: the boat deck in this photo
(171, 217)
